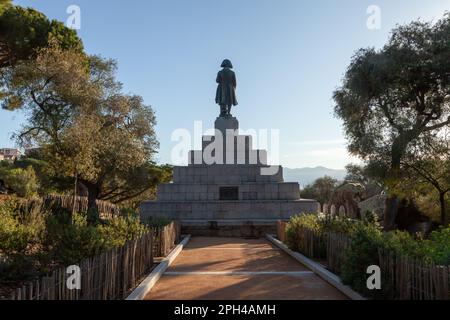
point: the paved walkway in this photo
(237, 269)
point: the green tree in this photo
(321, 190)
(86, 127)
(4, 4)
(136, 186)
(22, 181)
(356, 173)
(24, 30)
(110, 150)
(363, 175)
(427, 170)
(392, 97)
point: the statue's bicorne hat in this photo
(226, 64)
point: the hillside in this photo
(305, 176)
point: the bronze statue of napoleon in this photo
(226, 89)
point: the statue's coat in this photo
(226, 90)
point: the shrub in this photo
(157, 222)
(366, 238)
(402, 243)
(14, 237)
(69, 243)
(294, 226)
(33, 242)
(119, 230)
(437, 247)
(72, 239)
(23, 181)
(19, 235)
(319, 224)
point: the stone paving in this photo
(239, 269)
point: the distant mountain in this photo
(305, 176)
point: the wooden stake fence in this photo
(403, 278)
(107, 210)
(108, 276)
(165, 238)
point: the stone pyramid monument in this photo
(228, 188)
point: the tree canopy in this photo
(394, 96)
(24, 30)
(321, 189)
(4, 4)
(426, 173)
(87, 128)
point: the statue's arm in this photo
(234, 81)
(218, 78)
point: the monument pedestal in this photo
(224, 192)
(226, 123)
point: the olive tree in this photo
(392, 97)
(427, 171)
(87, 128)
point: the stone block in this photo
(245, 188)
(211, 196)
(261, 196)
(163, 196)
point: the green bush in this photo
(19, 238)
(366, 238)
(23, 181)
(437, 247)
(402, 243)
(119, 230)
(294, 226)
(14, 236)
(78, 240)
(69, 243)
(33, 242)
(319, 224)
(157, 222)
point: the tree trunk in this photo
(93, 193)
(443, 209)
(390, 212)
(74, 194)
(392, 202)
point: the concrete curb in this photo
(149, 282)
(328, 276)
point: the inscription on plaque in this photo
(229, 193)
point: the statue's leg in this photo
(229, 110)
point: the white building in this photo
(9, 154)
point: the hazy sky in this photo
(289, 56)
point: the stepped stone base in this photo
(229, 228)
(243, 190)
(225, 210)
